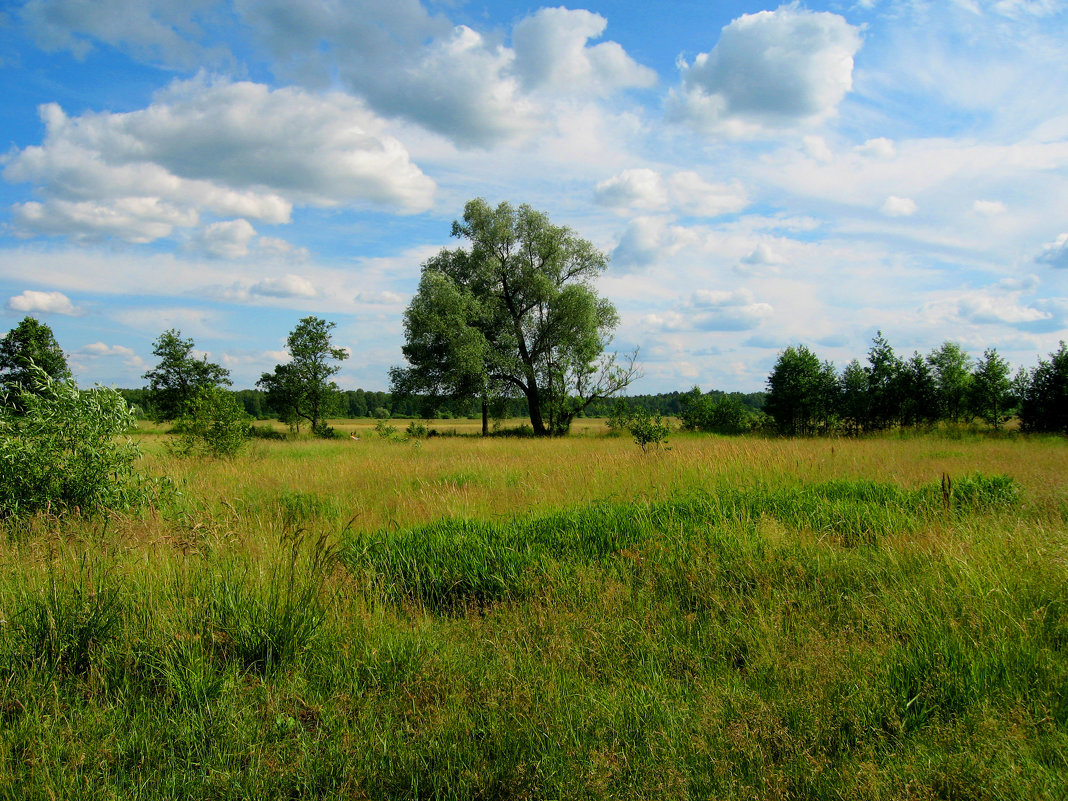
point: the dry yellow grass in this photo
(376, 482)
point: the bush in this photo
(417, 430)
(725, 414)
(620, 417)
(381, 413)
(60, 449)
(648, 429)
(214, 424)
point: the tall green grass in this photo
(843, 638)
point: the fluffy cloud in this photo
(157, 31)
(383, 298)
(686, 191)
(761, 256)
(231, 149)
(1055, 254)
(899, 206)
(551, 51)
(880, 148)
(288, 286)
(99, 350)
(772, 69)
(637, 189)
(989, 208)
(228, 239)
(32, 301)
(453, 80)
(714, 310)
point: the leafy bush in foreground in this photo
(60, 449)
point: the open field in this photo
(461, 617)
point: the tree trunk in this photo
(536, 420)
(485, 416)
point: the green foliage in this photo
(1044, 390)
(214, 424)
(385, 431)
(381, 413)
(27, 346)
(619, 418)
(720, 414)
(63, 451)
(951, 367)
(802, 393)
(302, 389)
(990, 390)
(648, 430)
(417, 430)
(179, 376)
(514, 314)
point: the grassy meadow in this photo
(499, 618)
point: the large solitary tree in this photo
(301, 389)
(514, 314)
(179, 376)
(30, 343)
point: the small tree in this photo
(214, 424)
(648, 430)
(886, 384)
(179, 375)
(990, 392)
(302, 389)
(951, 368)
(1044, 401)
(27, 346)
(800, 391)
(853, 397)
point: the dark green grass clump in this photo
(454, 565)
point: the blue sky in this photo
(761, 175)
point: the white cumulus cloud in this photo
(769, 70)
(551, 51)
(32, 300)
(714, 310)
(288, 286)
(1055, 254)
(643, 189)
(895, 206)
(228, 239)
(989, 208)
(231, 149)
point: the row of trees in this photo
(300, 390)
(806, 395)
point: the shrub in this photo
(385, 431)
(620, 417)
(61, 450)
(214, 424)
(381, 413)
(648, 430)
(417, 430)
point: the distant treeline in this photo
(809, 396)
(360, 403)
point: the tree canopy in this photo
(30, 343)
(301, 389)
(514, 313)
(179, 375)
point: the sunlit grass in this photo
(567, 618)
